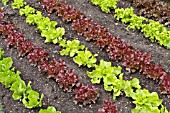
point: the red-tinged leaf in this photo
(108, 107)
(6, 28)
(86, 94)
(14, 39)
(53, 68)
(67, 80)
(38, 55)
(56, 67)
(165, 84)
(68, 13)
(50, 5)
(81, 25)
(2, 12)
(25, 47)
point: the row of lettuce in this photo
(156, 10)
(111, 76)
(55, 69)
(12, 80)
(151, 29)
(133, 60)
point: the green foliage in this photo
(85, 58)
(9, 77)
(70, 47)
(1, 54)
(50, 109)
(26, 11)
(17, 4)
(5, 64)
(113, 79)
(18, 88)
(31, 99)
(33, 18)
(155, 31)
(5, 2)
(146, 102)
(12, 80)
(105, 5)
(46, 27)
(102, 70)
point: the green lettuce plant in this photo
(31, 99)
(146, 102)
(105, 5)
(70, 48)
(7, 78)
(50, 109)
(5, 64)
(5, 1)
(26, 10)
(18, 4)
(113, 79)
(19, 89)
(85, 58)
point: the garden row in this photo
(55, 69)
(133, 60)
(154, 9)
(111, 76)
(151, 29)
(11, 79)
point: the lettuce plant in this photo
(18, 4)
(5, 1)
(85, 58)
(86, 94)
(26, 10)
(38, 55)
(31, 99)
(9, 77)
(105, 5)
(66, 11)
(108, 107)
(67, 80)
(19, 89)
(70, 48)
(5, 64)
(113, 79)
(81, 25)
(146, 101)
(50, 109)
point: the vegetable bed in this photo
(76, 72)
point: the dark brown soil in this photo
(55, 96)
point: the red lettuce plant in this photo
(6, 28)
(86, 94)
(67, 80)
(68, 13)
(117, 49)
(25, 47)
(108, 107)
(1, 15)
(50, 5)
(81, 25)
(53, 68)
(14, 39)
(38, 55)
(152, 71)
(135, 59)
(165, 84)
